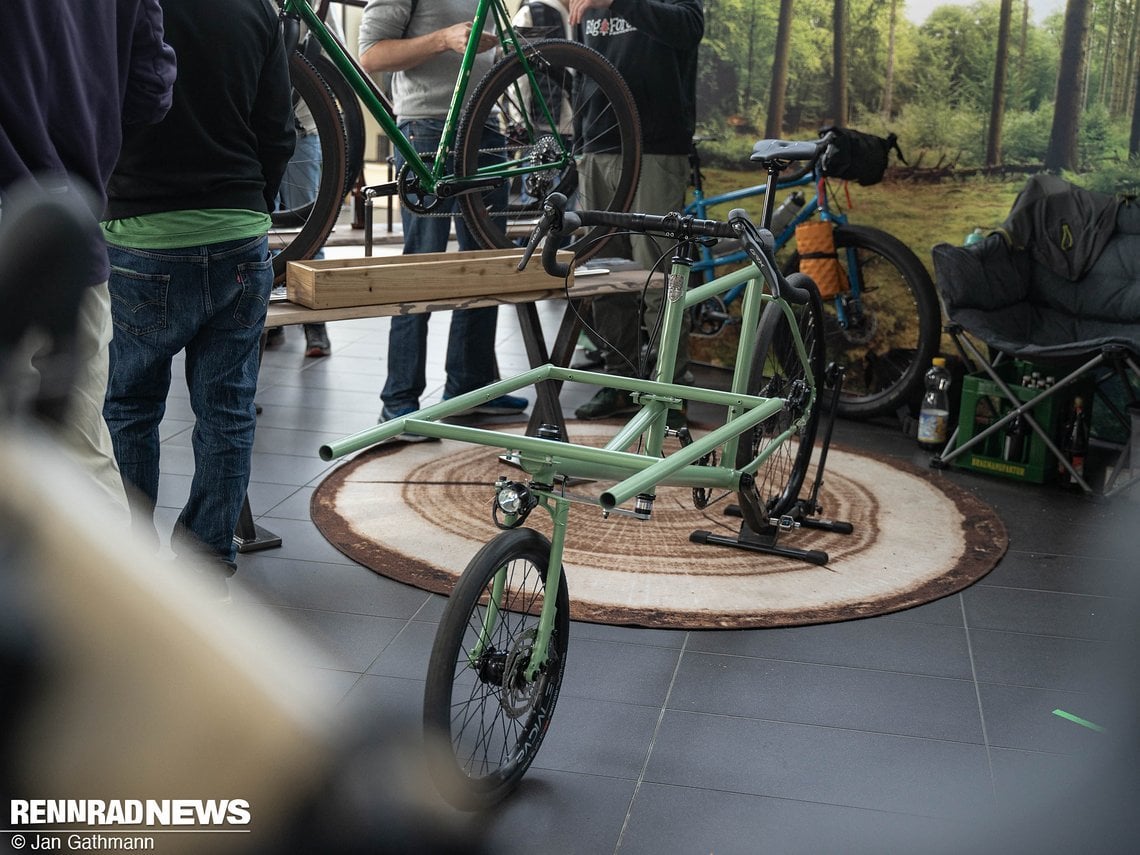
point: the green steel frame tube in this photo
(559, 514)
(636, 473)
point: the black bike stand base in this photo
(802, 512)
(767, 541)
(760, 542)
(249, 536)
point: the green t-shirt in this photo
(173, 229)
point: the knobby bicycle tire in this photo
(483, 722)
(300, 230)
(887, 349)
(351, 115)
(568, 76)
(777, 371)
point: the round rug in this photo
(418, 512)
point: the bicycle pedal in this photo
(784, 523)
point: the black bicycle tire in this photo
(776, 485)
(794, 171)
(460, 788)
(351, 114)
(302, 236)
(913, 274)
(557, 54)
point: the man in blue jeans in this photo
(422, 41)
(187, 218)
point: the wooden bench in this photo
(546, 409)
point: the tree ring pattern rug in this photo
(418, 512)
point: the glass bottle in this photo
(1013, 448)
(1075, 442)
(934, 415)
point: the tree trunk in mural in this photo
(839, 63)
(889, 78)
(1023, 45)
(1062, 152)
(774, 126)
(997, 102)
(1107, 72)
(1134, 137)
(1131, 89)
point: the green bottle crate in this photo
(983, 403)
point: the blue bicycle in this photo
(882, 323)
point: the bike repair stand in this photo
(803, 512)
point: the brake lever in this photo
(755, 241)
(551, 218)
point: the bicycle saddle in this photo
(770, 151)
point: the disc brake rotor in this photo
(519, 696)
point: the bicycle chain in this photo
(428, 210)
(701, 498)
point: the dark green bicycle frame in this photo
(432, 177)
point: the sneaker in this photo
(317, 340)
(274, 337)
(589, 360)
(606, 403)
(387, 415)
(504, 405)
(212, 580)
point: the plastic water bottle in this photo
(934, 416)
(976, 236)
(786, 212)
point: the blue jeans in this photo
(470, 360)
(209, 301)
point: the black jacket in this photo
(653, 44)
(229, 134)
(72, 76)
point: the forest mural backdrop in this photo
(1068, 84)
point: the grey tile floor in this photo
(910, 732)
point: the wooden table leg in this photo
(547, 407)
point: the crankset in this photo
(412, 194)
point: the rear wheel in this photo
(351, 115)
(312, 189)
(885, 336)
(483, 718)
(590, 114)
(778, 372)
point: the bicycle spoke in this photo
(539, 131)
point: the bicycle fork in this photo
(559, 510)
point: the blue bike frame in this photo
(845, 305)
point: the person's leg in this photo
(150, 322)
(614, 318)
(221, 373)
(83, 432)
(470, 361)
(661, 190)
(299, 186)
(407, 336)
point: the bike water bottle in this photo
(934, 416)
(786, 212)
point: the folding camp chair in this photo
(1084, 319)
